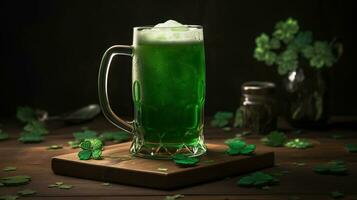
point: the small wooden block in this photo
(118, 166)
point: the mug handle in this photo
(121, 50)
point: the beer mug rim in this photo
(139, 28)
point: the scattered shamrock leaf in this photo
(116, 136)
(239, 147)
(352, 148)
(9, 197)
(26, 192)
(8, 169)
(85, 154)
(1, 184)
(85, 134)
(31, 137)
(257, 179)
(15, 180)
(275, 139)
(66, 187)
(185, 161)
(25, 114)
(299, 143)
(91, 148)
(37, 127)
(221, 119)
(55, 147)
(336, 167)
(60, 185)
(336, 194)
(3, 135)
(174, 197)
(161, 169)
(238, 119)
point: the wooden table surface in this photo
(297, 183)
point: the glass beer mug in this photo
(168, 90)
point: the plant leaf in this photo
(182, 160)
(25, 114)
(26, 192)
(31, 137)
(275, 139)
(97, 154)
(84, 154)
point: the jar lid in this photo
(258, 88)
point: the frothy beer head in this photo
(169, 31)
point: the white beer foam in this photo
(170, 31)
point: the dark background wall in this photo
(50, 50)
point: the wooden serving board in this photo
(118, 166)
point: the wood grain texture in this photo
(215, 164)
(35, 160)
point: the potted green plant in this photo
(303, 63)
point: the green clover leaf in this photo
(275, 139)
(26, 192)
(116, 136)
(91, 148)
(320, 54)
(86, 145)
(221, 119)
(185, 161)
(25, 114)
(239, 147)
(97, 154)
(286, 30)
(333, 167)
(299, 143)
(31, 137)
(84, 154)
(257, 179)
(85, 134)
(36, 126)
(15, 180)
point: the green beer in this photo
(169, 91)
(168, 88)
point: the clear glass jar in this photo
(258, 107)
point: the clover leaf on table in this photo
(275, 139)
(80, 136)
(91, 148)
(221, 119)
(257, 179)
(185, 161)
(115, 136)
(31, 137)
(36, 126)
(336, 167)
(299, 143)
(237, 146)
